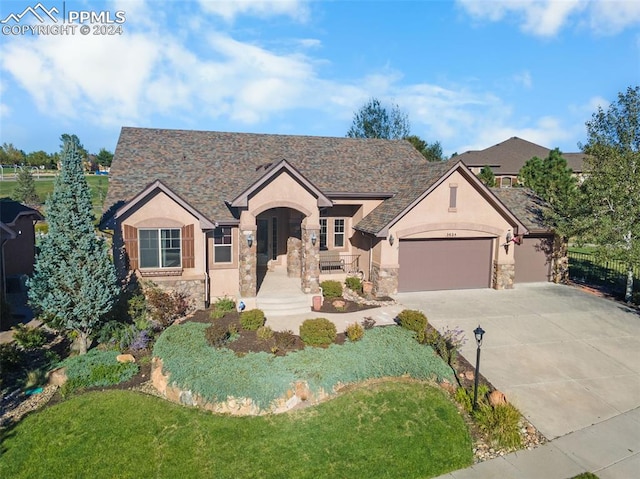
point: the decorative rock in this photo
(447, 386)
(125, 358)
(469, 375)
(338, 303)
(302, 391)
(58, 377)
(497, 398)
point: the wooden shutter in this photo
(188, 247)
(131, 246)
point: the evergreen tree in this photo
(487, 177)
(74, 283)
(25, 191)
(550, 178)
(432, 152)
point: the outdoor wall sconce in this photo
(314, 238)
(478, 333)
(391, 239)
(249, 240)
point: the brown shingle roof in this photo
(418, 179)
(208, 168)
(508, 157)
(526, 205)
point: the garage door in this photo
(428, 265)
(533, 259)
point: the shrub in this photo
(252, 319)
(368, 322)
(217, 335)
(166, 306)
(354, 284)
(318, 332)
(96, 369)
(331, 289)
(222, 306)
(264, 333)
(284, 339)
(463, 398)
(10, 357)
(354, 332)
(413, 321)
(29, 338)
(500, 424)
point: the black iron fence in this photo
(611, 275)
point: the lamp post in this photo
(478, 333)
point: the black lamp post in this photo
(478, 333)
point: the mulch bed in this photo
(349, 307)
(248, 341)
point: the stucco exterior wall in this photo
(161, 211)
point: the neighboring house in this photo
(507, 158)
(17, 242)
(216, 212)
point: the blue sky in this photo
(468, 73)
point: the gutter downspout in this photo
(207, 299)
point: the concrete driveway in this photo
(566, 358)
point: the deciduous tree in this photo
(374, 121)
(610, 213)
(74, 283)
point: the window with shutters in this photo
(159, 248)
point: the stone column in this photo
(310, 260)
(503, 275)
(384, 279)
(247, 264)
(294, 257)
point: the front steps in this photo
(284, 304)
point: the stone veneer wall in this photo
(503, 275)
(310, 263)
(247, 265)
(294, 257)
(194, 289)
(385, 280)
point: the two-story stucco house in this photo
(216, 212)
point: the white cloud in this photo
(546, 18)
(230, 9)
(524, 79)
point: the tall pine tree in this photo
(74, 282)
(25, 191)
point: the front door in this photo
(263, 242)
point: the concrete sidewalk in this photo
(604, 449)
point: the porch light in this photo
(314, 238)
(249, 240)
(391, 239)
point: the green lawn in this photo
(389, 429)
(44, 187)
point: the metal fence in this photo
(611, 275)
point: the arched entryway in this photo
(279, 243)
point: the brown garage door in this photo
(427, 265)
(533, 259)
